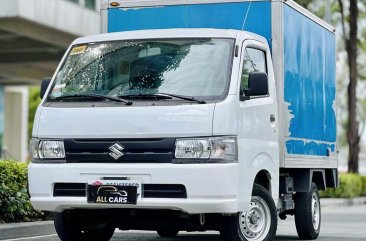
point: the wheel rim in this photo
(315, 210)
(255, 223)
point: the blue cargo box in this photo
(303, 52)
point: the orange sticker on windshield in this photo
(78, 50)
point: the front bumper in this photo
(211, 188)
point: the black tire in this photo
(233, 230)
(307, 221)
(168, 233)
(69, 230)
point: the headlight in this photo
(192, 148)
(212, 149)
(47, 149)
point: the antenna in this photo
(246, 15)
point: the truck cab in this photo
(186, 157)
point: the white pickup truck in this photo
(189, 116)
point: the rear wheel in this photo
(308, 213)
(68, 229)
(258, 223)
(168, 233)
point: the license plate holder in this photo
(113, 192)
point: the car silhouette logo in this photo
(116, 151)
(105, 190)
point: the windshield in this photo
(188, 67)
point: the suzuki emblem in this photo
(116, 151)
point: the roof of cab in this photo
(161, 33)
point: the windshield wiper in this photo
(162, 96)
(182, 97)
(105, 97)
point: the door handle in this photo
(272, 118)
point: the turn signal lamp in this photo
(114, 4)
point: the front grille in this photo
(134, 150)
(69, 190)
(148, 190)
(164, 191)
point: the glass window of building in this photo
(90, 4)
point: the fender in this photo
(262, 162)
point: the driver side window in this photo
(254, 61)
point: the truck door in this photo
(257, 121)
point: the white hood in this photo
(124, 122)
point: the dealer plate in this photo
(114, 191)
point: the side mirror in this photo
(257, 84)
(44, 85)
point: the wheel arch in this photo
(264, 171)
(263, 178)
(323, 178)
(318, 177)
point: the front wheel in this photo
(308, 213)
(69, 229)
(259, 223)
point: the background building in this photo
(34, 35)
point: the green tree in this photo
(304, 3)
(34, 101)
(350, 26)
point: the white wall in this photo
(15, 140)
(58, 14)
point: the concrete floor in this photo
(338, 224)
